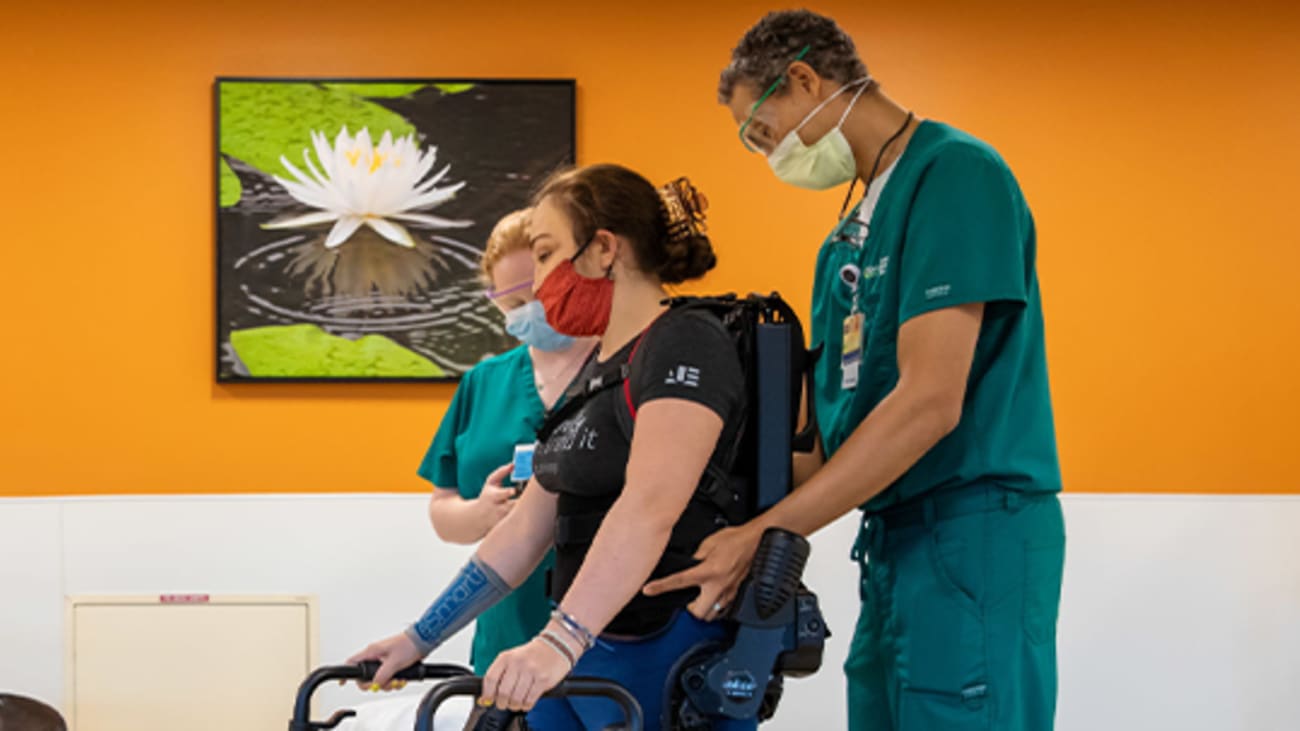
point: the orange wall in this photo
(1159, 149)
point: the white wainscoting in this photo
(1179, 612)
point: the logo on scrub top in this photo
(936, 292)
(876, 271)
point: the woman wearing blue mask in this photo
(931, 394)
(499, 405)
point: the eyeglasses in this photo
(495, 294)
(754, 145)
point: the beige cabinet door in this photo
(198, 663)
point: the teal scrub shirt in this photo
(962, 586)
(495, 408)
(951, 227)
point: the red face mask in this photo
(576, 305)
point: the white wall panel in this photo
(1179, 612)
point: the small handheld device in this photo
(522, 469)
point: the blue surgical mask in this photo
(528, 323)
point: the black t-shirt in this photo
(685, 354)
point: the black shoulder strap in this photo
(574, 401)
(594, 385)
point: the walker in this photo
(365, 671)
(455, 680)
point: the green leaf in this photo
(375, 90)
(307, 351)
(453, 88)
(228, 188)
(260, 121)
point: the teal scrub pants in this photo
(960, 592)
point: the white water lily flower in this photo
(361, 183)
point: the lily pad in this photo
(307, 351)
(260, 121)
(228, 187)
(453, 88)
(377, 91)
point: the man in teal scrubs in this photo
(931, 395)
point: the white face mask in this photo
(826, 163)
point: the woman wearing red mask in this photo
(616, 469)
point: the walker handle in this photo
(362, 671)
(470, 685)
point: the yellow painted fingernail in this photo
(485, 702)
(374, 687)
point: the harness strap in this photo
(593, 386)
(577, 530)
(627, 371)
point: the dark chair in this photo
(28, 714)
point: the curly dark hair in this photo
(766, 50)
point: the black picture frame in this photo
(225, 371)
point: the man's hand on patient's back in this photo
(725, 558)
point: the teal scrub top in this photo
(495, 408)
(951, 227)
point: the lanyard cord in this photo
(875, 165)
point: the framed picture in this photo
(351, 216)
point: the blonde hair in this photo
(508, 236)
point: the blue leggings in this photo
(642, 667)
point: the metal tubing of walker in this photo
(473, 686)
(362, 672)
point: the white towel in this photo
(398, 714)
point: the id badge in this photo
(851, 349)
(522, 469)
